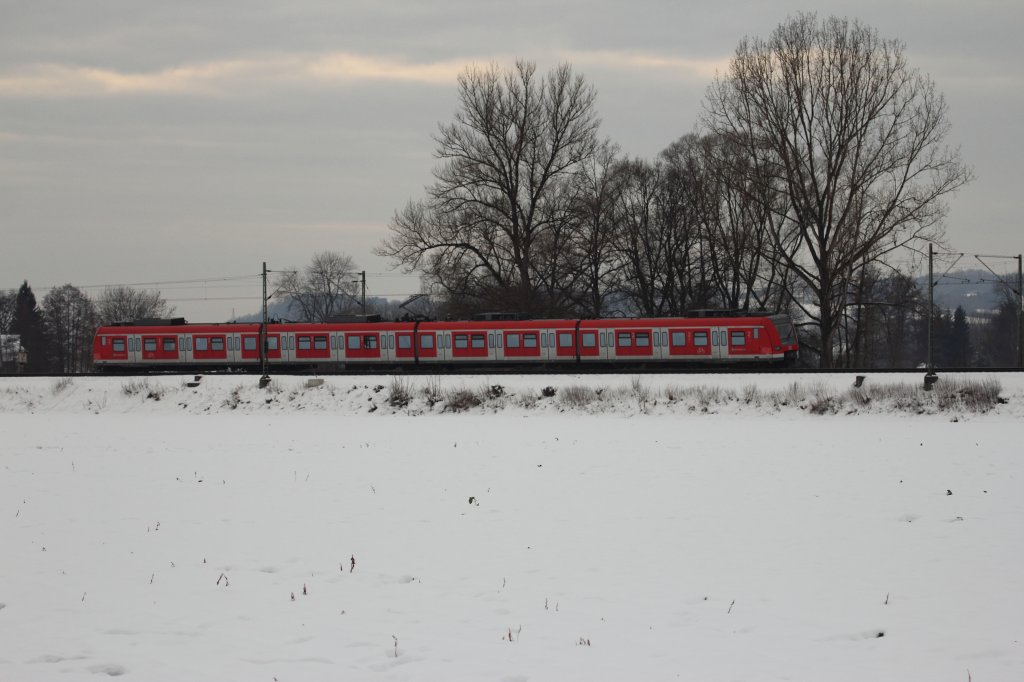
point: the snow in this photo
(673, 528)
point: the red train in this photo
(170, 345)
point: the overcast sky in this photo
(172, 141)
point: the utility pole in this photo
(265, 379)
(1020, 313)
(362, 277)
(930, 376)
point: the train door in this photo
(135, 349)
(719, 343)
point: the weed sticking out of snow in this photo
(61, 385)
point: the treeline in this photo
(819, 160)
(56, 335)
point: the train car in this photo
(174, 345)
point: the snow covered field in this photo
(720, 528)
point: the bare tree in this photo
(595, 220)
(499, 191)
(324, 288)
(849, 141)
(70, 318)
(8, 306)
(125, 304)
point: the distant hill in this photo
(975, 290)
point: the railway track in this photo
(493, 371)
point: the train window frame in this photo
(678, 339)
(250, 343)
(354, 342)
(149, 345)
(512, 340)
(642, 339)
(588, 339)
(460, 341)
(742, 338)
(370, 342)
(169, 345)
(304, 342)
(320, 342)
(478, 341)
(272, 343)
(700, 339)
(530, 340)
(115, 343)
(623, 340)
(565, 340)
(427, 341)
(404, 342)
(217, 344)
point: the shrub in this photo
(399, 393)
(135, 387)
(461, 399)
(577, 396)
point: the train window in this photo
(461, 341)
(304, 343)
(426, 340)
(625, 339)
(149, 345)
(249, 343)
(604, 340)
(565, 340)
(271, 343)
(529, 340)
(353, 342)
(217, 343)
(118, 345)
(404, 342)
(700, 338)
(738, 339)
(678, 338)
(447, 341)
(543, 340)
(657, 340)
(319, 343)
(714, 338)
(170, 346)
(334, 342)
(664, 338)
(370, 342)
(499, 339)
(756, 330)
(478, 341)
(188, 343)
(589, 340)
(643, 339)
(512, 340)
(490, 340)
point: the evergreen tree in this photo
(28, 324)
(960, 339)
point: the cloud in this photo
(220, 77)
(700, 69)
(256, 74)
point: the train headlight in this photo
(778, 348)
